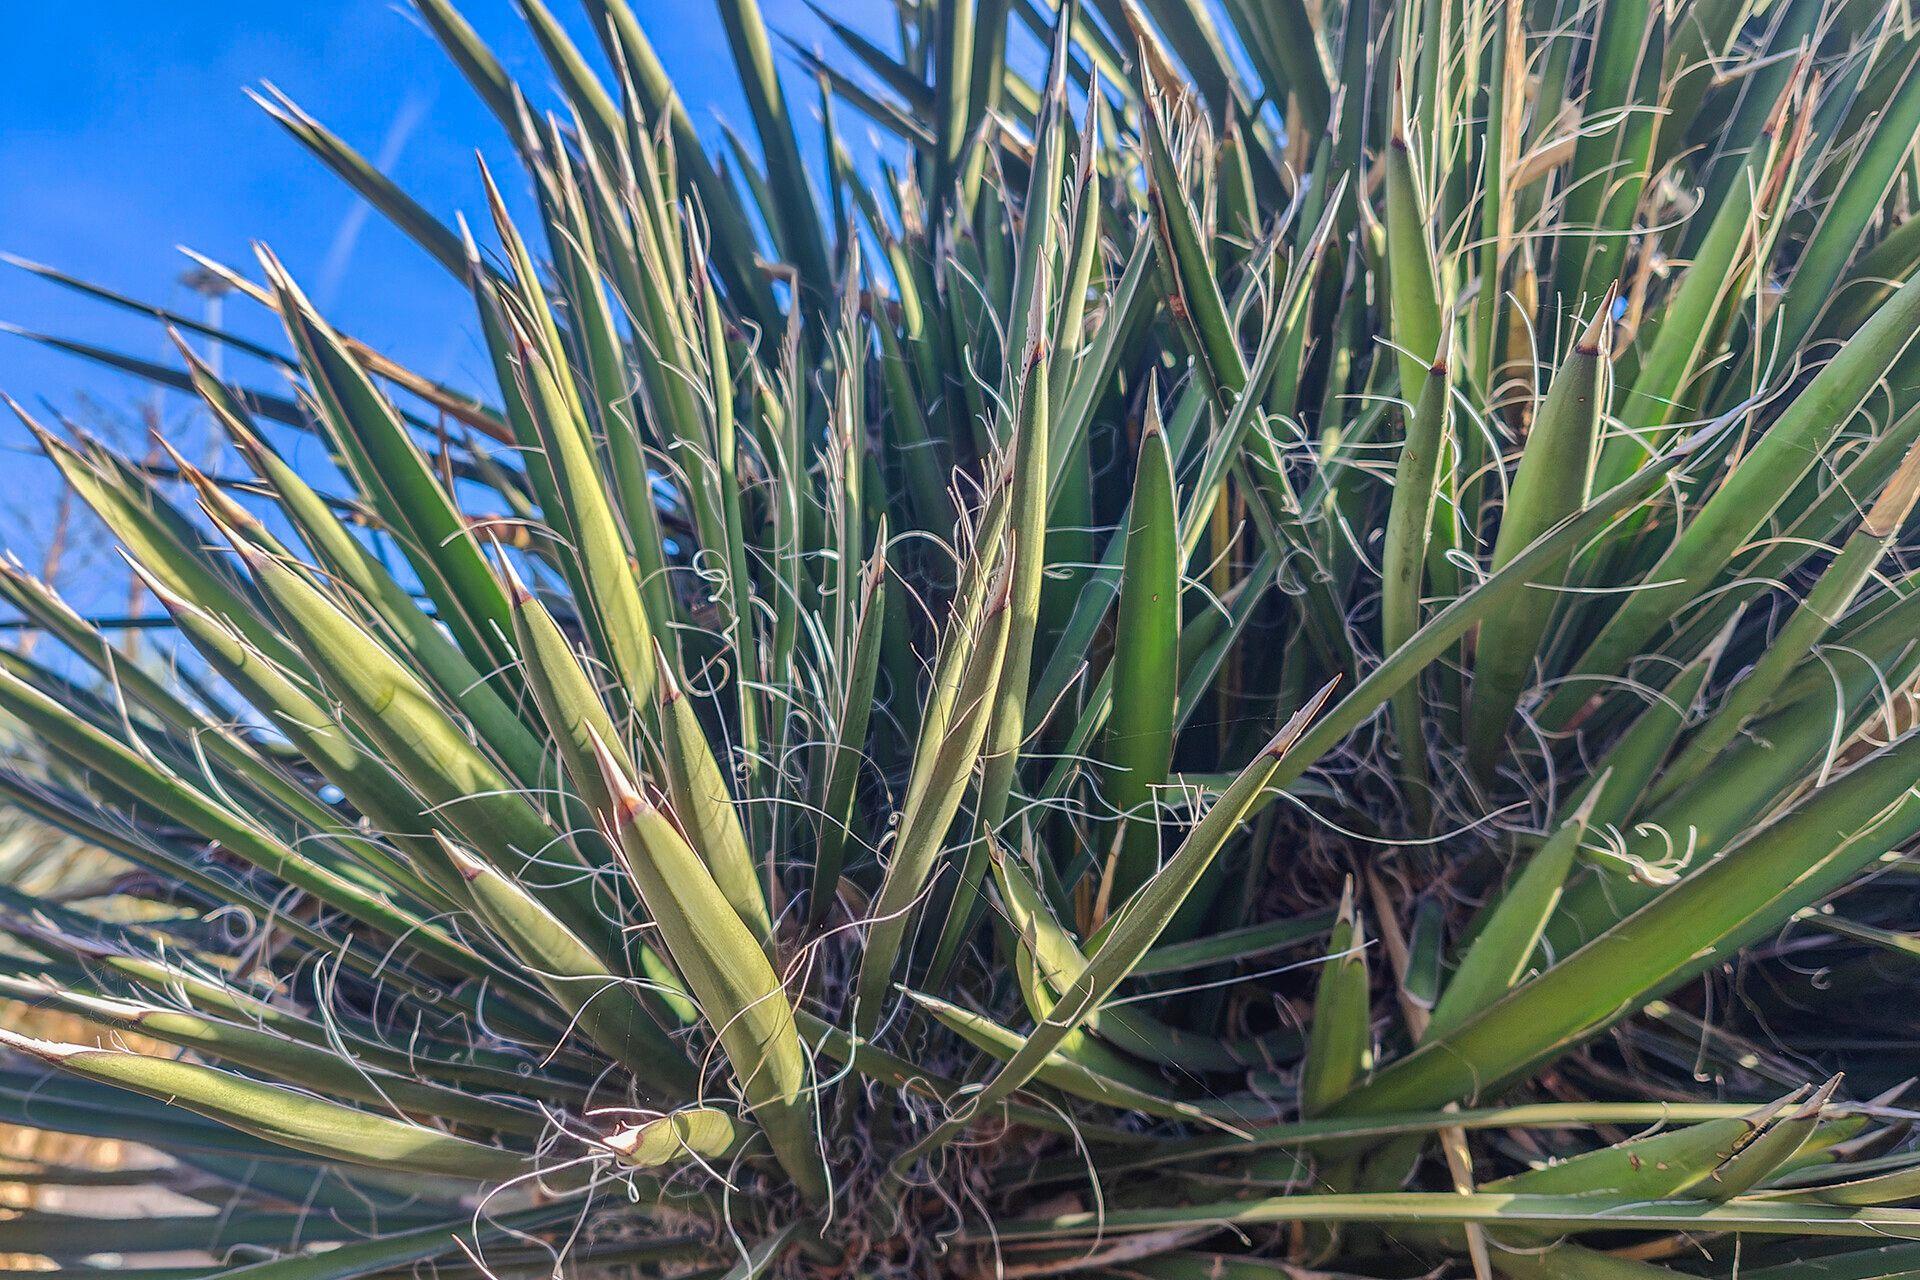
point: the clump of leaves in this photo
(1279, 639)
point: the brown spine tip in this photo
(1443, 345)
(469, 867)
(627, 808)
(522, 341)
(1282, 742)
(1821, 1097)
(670, 691)
(469, 245)
(230, 512)
(1759, 1119)
(1776, 118)
(1593, 339)
(628, 803)
(250, 555)
(517, 594)
(1397, 104)
(1151, 427)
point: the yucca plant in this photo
(1278, 644)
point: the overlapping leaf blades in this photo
(1288, 644)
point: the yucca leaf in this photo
(694, 1133)
(1770, 1151)
(1340, 1038)
(172, 319)
(1345, 1132)
(798, 220)
(610, 593)
(1549, 485)
(1696, 309)
(357, 172)
(587, 985)
(66, 1236)
(1756, 888)
(1642, 747)
(425, 746)
(843, 768)
(1574, 1262)
(390, 470)
(1049, 960)
(1238, 944)
(287, 1060)
(1130, 933)
(1749, 494)
(1026, 560)
(148, 784)
(1876, 161)
(400, 1249)
(703, 806)
(938, 784)
(1506, 942)
(1824, 604)
(1078, 1066)
(1411, 275)
(1416, 493)
(278, 1115)
(1138, 745)
(1546, 1212)
(739, 994)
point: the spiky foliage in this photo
(1259, 651)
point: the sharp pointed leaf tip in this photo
(1821, 1096)
(1584, 810)
(670, 691)
(518, 596)
(251, 555)
(1594, 339)
(51, 1051)
(627, 801)
(469, 867)
(170, 600)
(1282, 742)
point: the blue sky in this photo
(124, 132)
